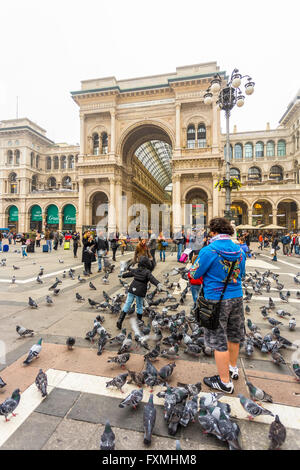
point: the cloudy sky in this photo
(48, 47)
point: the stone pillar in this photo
(119, 213)
(112, 131)
(209, 211)
(81, 205)
(176, 207)
(82, 134)
(250, 216)
(60, 222)
(274, 216)
(298, 220)
(215, 197)
(177, 144)
(111, 207)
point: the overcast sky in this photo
(48, 47)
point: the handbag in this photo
(164, 244)
(207, 313)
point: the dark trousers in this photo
(152, 252)
(87, 266)
(75, 248)
(114, 250)
(55, 244)
(38, 243)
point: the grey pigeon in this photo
(118, 381)
(79, 298)
(80, 279)
(70, 342)
(102, 340)
(54, 286)
(296, 370)
(166, 371)
(190, 411)
(208, 422)
(274, 322)
(41, 382)
(229, 432)
(2, 383)
(149, 419)
(10, 404)
(292, 324)
(24, 331)
(193, 389)
(107, 441)
(153, 355)
(170, 402)
(171, 352)
(32, 303)
(277, 434)
(38, 280)
(91, 285)
(175, 418)
(252, 408)
(33, 352)
(126, 345)
(49, 301)
(56, 291)
(193, 349)
(258, 394)
(133, 399)
(120, 359)
(119, 338)
(93, 303)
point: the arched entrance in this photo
(287, 214)
(262, 213)
(99, 204)
(240, 212)
(196, 209)
(69, 217)
(36, 218)
(12, 214)
(52, 217)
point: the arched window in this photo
(276, 173)
(191, 136)
(238, 152)
(32, 159)
(48, 163)
(270, 148)
(201, 136)
(13, 183)
(104, 139)
(34, 183)
(259, 149)
(249, 151)
(37, 161)
(230, 151)
(281, 148)
(10, 157)
(96, 144)
(51, 182)
(63, 162)
(71, 161)
(235, 173)
(254, 174)
(17, 156)
(56, 163)
(67, 182)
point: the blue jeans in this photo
(0, 245)
(100, 254)
(195, 292)
(162, 254)
(49, 243)
(129, 301)
(179, 249)
(24, 251)
(296, 249)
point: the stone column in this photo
(298, 220)
(112, 131)
(177, 144)
(81, 205)
(209, 211)
(176, 206)
(119, 212)
(111, 207)
(82, 134)
(60, 222)
(215, 197)
(250, 216)
(274, 216)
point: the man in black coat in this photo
(138, 288)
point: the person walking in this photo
(141, 250)
(275, 247)
(61, 238)
(24, 245)
(161, 245)
(286, 244)
(10, 237)
(138, 288)
(214, 264)
(122, 243)
(101, 249)
(261, 241)
(179, 240)
(56, 240)
(88, 252)
(114, 238)
(38, 239)
(1, 240)
(76, 239)
(152, 248)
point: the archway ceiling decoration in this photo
(156, 157)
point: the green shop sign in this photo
(13, 214)
(70, 215)
(36, 214)
(52, 215)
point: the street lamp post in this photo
(229, 96)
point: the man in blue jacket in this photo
(213, 264)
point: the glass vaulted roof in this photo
(156, 156)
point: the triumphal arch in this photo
(147, 141)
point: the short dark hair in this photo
(221, 225)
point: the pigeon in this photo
(277, 434)
(296, 370)
(153, 355)
(171, 352)
(174, 418)
(283, 297)
(229, 432)
(64, 275)
(119, 338)
(80, 279)
(120, 359)
(126, 345)
(170, 402)
(136, 377)
(49, 301)
(292, 324)
(257, 394)
(79, 298)
(16, 267)
(118, 381)
(149, 418)
(90, 335)
(33, 352)
(166, 371)
(92, 303)
(253, 408)
(101, 342)
(41, 382)
(193, 350)
(274, 322)
(2, 383)
(39, 280)
(91, 285)
(10, 404)
(189, 411)
(277, 357)
(56, 291)
(208, 422)
(193, 389)
(13, 280)
(70, 342)
(133, 399)
(32, 303)
(247, 309)
(271, 304)
(24, 331)
(252, 327)
(54, 286)
(107, 441)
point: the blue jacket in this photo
(213, 263)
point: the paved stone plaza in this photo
(78, 403)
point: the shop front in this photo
(13, 219)
(36, 218)
(52, 219)
(69, 218)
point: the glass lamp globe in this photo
(208, 98)
(249, 88)
(215, 86)
(240, 101)
(236, 80)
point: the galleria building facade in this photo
(149, 140)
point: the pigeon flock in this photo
(167, 333)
